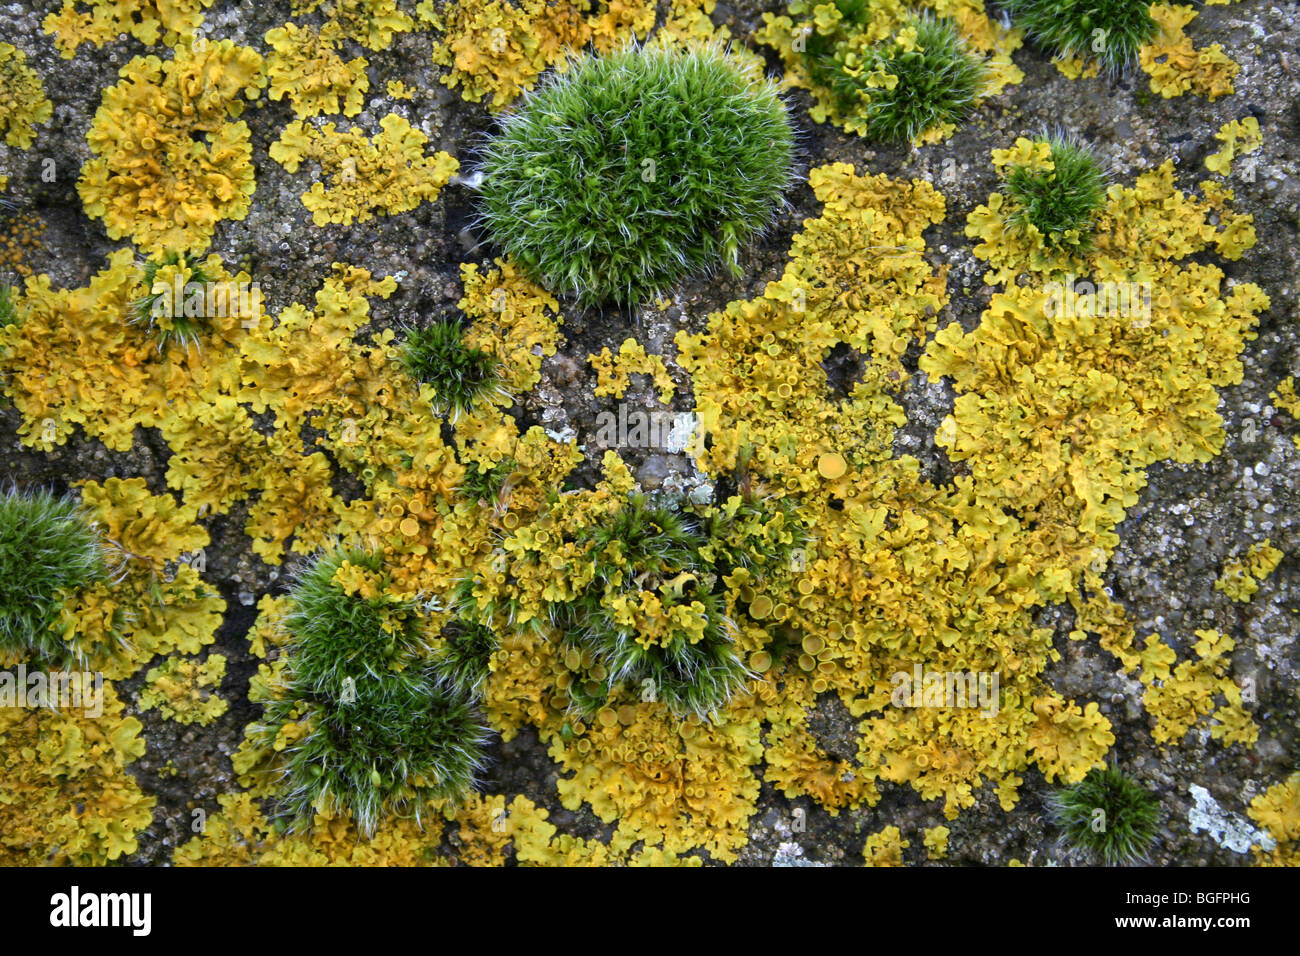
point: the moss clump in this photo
(48, 552)
(372, 729)
(630, 171)
(460, 376)
(1060, 199)
(1109, 31)
(1107, 816)
(922, 77)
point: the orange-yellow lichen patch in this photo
(185, 690)
(675, 785)
(499, 50)
(1278, 810)
(1288, 401)
(1138, 238)
(936, 843)
(20, 236)
(857, 279)
(23, 104)
(1240, 578)
(158, 603)
(489, 826)
(102, 21)
(885, 848)
(372, 23)
(614, 371)
(907, 581)
(305, 66)
(1239, 138)
(74, 360)
(619, 20)
(1083, 389)
(512, 317)
(168, 162)
(1098, 398)
(1188, 694)
(241, 835)
(1175, 66)
(65, 794)
(1073, 67)
(796, 765)
(361, 178)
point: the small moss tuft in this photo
(48, 552)
(1108, 31)
(8, 308)
(171, 284)
(460, 376)
(919, 79)
(652, 624)
(485, 484)
(1107, 817)
(462, 659)
(1062, 202)
(629, 171)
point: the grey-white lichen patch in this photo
(1229, 830)
(791, 854)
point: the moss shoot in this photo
(168, 284)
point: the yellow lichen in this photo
(1137, 238)
(1278, 810)
(499, 50)
(65, 794)
(104, 20)
(613, 372)
(305, 65)
(168, 162)
(159, 603)
(1239, 138)
(23, 104)
(240, 835)
(1240, 578)
(184, 690)
(886, 21)
(936, 843)
(372, 23)
(1176, 66)
(1288, 401)
(1177, 702)
(675, 785)
(885, 848)
(383, 175)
